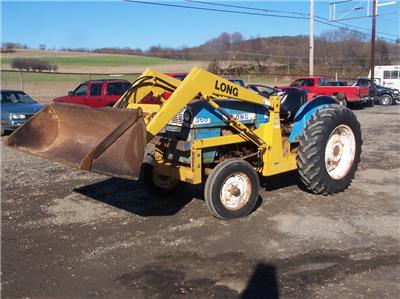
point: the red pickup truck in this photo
(96, 93)
(318, 86)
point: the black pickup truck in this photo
(385, 96)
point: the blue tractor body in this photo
(205, 122)
(199, 121)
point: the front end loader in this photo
(203, 129)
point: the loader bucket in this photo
(105, 140)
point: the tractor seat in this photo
(291, 102)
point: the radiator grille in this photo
(178, 118)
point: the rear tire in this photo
(385, 100)
(329, 150)
(157, 184)
(231, 190)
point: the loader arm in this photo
(205, 85)
(151, 83)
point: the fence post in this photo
(22, 80)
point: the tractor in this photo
(165, 133)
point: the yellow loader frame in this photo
(199, 84)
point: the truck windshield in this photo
(303, 82)
(117, 88)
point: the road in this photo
(71, 234)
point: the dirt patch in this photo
(73, 234)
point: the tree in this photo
(33, 64)
(382, 53)
(214, 67)
(236, 37)
(8, 48)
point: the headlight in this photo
(17, 116)
(187, 116)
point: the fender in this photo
(306, 112)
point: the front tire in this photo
(157, 184)
(385, 100)
(329, 150)
(231, 190)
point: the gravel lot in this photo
(72, 234)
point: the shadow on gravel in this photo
(283, 180)
(189, 274)
(262, 284)
(129, 196)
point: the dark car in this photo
(239, 82)
(16, 108)
(385, 96)
(337, 83)
(263, 90)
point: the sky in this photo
(114, 23)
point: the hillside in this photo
(338, 51)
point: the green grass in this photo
(48, 78)
(111, 60)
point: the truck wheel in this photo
(397, 101)
(157, 184)
(341, 99)
(370, 103)
(385, 100)
(231, 190)
(329, 150)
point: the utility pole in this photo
(311, 59)
(373, 43)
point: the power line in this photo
(249, 8)
(250, 13)
(216, 10)
(322, 19)
(361, 28)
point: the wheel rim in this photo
(385, 100)
(236, 191)
(340, 152)
(163, 182)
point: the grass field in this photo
(86, 62)
(104, 61)
(45, 86)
